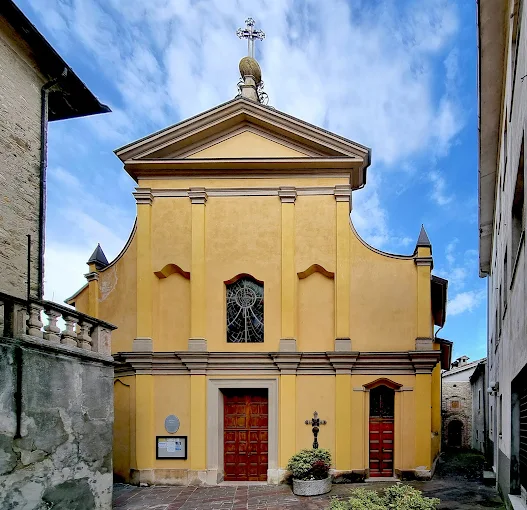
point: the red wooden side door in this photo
(381, 446)
(245, 445)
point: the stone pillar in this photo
(289, 277)
(436, 410)
(359, 428)
(198, 198)
(144, 422)
(287, 364)
(343, 420)
(198, 427)
(424, 263)
(423, 419)
(145, 275)
(342, 273)
(93, 291)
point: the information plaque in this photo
(172, 424)
(171, 447)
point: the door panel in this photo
(381, 446)
(381, 431)
(245, 435)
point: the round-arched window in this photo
(245, 311)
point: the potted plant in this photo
(310, 470)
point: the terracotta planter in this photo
(311, 487)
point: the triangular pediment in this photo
(243, 134)
(227, 126)
(246, 141)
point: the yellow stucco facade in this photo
(246, 190)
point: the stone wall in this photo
(458, 391)
(20, 85)
(63, 459)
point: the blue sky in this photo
(398, 76)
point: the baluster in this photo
(69, 336)
(51, 330)
(83, 336)
(34, 324)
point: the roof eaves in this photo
(70, 97)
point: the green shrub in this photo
(399, 496)
(310, 464)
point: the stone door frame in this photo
(215, 470)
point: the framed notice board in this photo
(171, 447)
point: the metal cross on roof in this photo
(250, 34)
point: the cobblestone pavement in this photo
(456, 483)
(454, 494)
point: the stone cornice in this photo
(343, 193)
(276, 363)
(424, 261)
(143, 196)
(197, 195)
(93, 276)
(287, 195)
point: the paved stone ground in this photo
(456, 484)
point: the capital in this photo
(287, 195)
(342, 193)
(197, 195)
(91, 277)
(143, 196)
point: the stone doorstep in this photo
(517, 503)
(382, 479)
(489, 478)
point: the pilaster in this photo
(145, 276)
(424, 263)
(198, 422)
(423, 419)
(144, 421)
(198, 198)
(289, 277)
(343, 433)
(287, 418)
(93, 291)
(342, 274)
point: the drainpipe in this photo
(44, 91)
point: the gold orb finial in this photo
(250, 67)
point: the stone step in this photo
(489, 478)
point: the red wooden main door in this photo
(245, 443)
(381, 431)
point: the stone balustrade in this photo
(19, 317)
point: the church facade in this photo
(245, 301)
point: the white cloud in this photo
(439, 192)
(460, 266)
(365, 71)
(449, 251)
(371, 220)
(66, 255)
(465, 302)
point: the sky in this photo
(398, 76)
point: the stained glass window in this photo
(245, 311)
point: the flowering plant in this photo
(310, 464)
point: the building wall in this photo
(458, 392)
(479, 413)
(507, 346)
(65, 448)
(20, 85)
(168, 288)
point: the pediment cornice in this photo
(188, 134)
